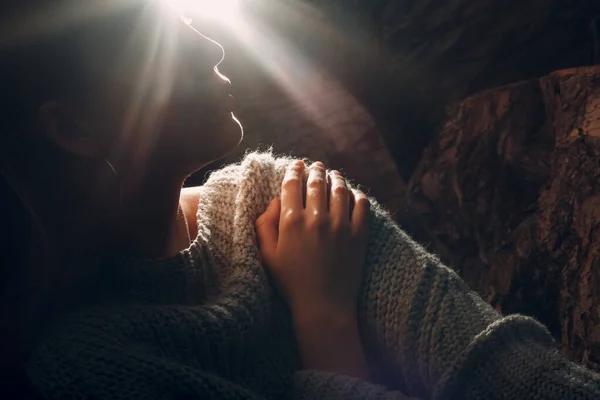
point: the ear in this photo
(60, 127)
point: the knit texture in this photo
(206, 324)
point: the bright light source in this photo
(224, 10)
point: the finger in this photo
(360, 213)
(291, 188)
(316, 189)
(340, 199)
(267, 230)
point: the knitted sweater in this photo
(206, 324)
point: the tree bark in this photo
(507, 194)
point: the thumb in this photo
(267, 230)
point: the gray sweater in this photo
(206, 324)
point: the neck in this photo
(149, 222)
(145, 223)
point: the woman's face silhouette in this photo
(154, 94)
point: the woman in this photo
(97, 144)
(98, 147)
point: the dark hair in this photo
(33, 68)
(38, 63)
(55, 48)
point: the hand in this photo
(316, 253)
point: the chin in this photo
(230, 136)
(239, 128)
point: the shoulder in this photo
(189, 200)
(191, 195)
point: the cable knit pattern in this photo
(206, 324)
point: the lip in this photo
(224, 95)
(214, 92)
(231, 102)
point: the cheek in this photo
(201, 140)
(183, 131)
(194, 119)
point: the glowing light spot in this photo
(224, 10)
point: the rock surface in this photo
(507, 193)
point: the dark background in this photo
(405, 60)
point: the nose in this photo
(196, 47)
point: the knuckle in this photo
(339, 190)
(292, 218)
(361, 197)
(357, 194)
(317, 171)
(362, 201)
(260, 220)
(291, 183)
(316, 183)
(260, 223)
(298, 164)
(318, 223)
(295, 168)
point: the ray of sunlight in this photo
(290, 69)
(311, 88)
(219, 9)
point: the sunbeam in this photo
(271, 44)
(52, 18)
(222, 10)
(286, 65)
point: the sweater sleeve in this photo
(438, 339)
(421, 324)
(516, 358)
(142, 352)
(309, 385)
(423, 327)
